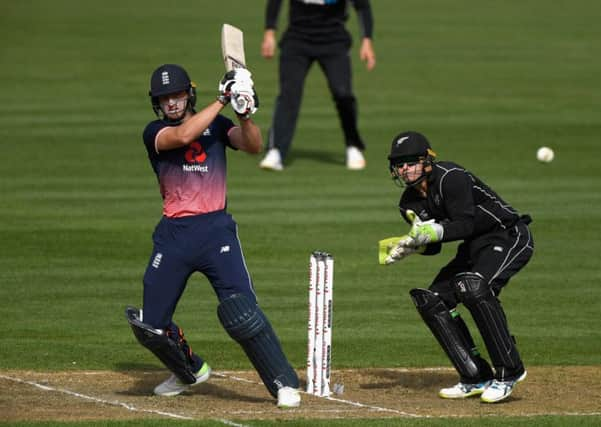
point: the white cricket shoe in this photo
(272, 160)
(288, 397)
(463, 390)
(354, 159)
(172, 386)
(500, 390)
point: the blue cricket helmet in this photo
(170, 78)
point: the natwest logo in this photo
(195, 154)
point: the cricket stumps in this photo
(319, 325)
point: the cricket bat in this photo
(232, 47)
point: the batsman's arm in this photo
(247, 137)
(172, 137)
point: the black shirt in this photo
(320, 21)
(462, 203)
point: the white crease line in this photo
(224, 374)
(376, 408)
(348, 402)
(113, 402)
(230, 423)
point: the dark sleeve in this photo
(150, 134)
(459, 205)
(366, 20)
(271, 14)
(432, 249)
(409, 201)
(224, 125)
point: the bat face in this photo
(232, 47)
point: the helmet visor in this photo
(409, 160)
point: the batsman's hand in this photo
(423, 232)
(396, 249)
(244, 99)
(237, 75)
(225, 85)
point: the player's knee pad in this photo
(452, 335)
(471, 288)
(488, 314)
(168, 351)
(244, 321)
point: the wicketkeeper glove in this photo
(396, 249)
(424, 232)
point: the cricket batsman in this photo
(444, 202)
(187, 152)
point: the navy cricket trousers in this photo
(205, 243)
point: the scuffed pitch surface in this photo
(368, 393)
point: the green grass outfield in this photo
(487, 83)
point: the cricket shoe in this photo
(173, 386)
(500, 390)
(463, 390)
(272, 160)
(288, 397)
(354, 159)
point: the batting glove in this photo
(244, 99)
(424, 232)
(243, 75)
(225, 86)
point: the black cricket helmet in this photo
(410, 147)
(167, 79)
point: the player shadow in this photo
(315, 155)
(389, 378)
(145, 382)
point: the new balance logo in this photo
(157, 260)
(224, 249)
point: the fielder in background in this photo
(316, 32)
(187, 151)
(444, 202)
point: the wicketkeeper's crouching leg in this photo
(453, 336)
(244, 321)
(489, 316)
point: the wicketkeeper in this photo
(187, 151)
(443, 202)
